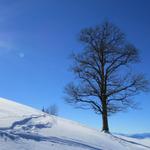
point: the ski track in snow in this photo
(8, 132)
(20, 122)
(11, 133)
(120, 140)
(31, 129)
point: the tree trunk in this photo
(105, 127)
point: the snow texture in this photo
(25, 128)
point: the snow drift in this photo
(25, 128)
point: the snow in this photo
(25, 128)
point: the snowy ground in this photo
(25, 128)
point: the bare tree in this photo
(52, 110)
(103, 70)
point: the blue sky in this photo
(37, 37)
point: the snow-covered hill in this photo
(25, 128)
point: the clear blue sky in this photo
(36, 38)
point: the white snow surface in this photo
(26, 128)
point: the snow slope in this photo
(25, 128)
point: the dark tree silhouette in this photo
(52, 110)
(103, 72)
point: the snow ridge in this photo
(25, 128)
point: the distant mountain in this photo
(140, 135)
(136, 135)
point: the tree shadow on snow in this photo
(129, 141)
